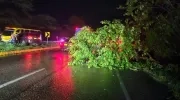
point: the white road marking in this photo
(20, 78)
(123, 86)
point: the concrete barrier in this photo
(27, 50)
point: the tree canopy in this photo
(158, 22)
(17, 13)
(11, 11)
(44, 22)
(76, 21)
(149, 34)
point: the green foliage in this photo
(151, 27)
(100, 48)
(6, 46)
(158, 22)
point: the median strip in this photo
(20, 78)
(28, 50)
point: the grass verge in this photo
(11, 49)
(5, 47)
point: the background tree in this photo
(76, 21)
(44, 22)
(67, 31)
(11, 11)
(158, 22)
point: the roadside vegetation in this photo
(5, 47)
(146, 41)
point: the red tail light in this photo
(29, 37)
(61, 43)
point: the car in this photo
(33, 38)
(63, 43)
(21, 35)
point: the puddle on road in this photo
(62, 82)
(81, 83)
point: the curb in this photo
(27, 50)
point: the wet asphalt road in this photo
(47, 76)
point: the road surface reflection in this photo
(31, 61)
(62, 82)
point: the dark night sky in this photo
(93, 11)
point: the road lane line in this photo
(123, 86)
(20, 78)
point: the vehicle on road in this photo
(63, 43)
(22, 35)
(77, 30)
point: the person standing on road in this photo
(13, 38)
(19, 37)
